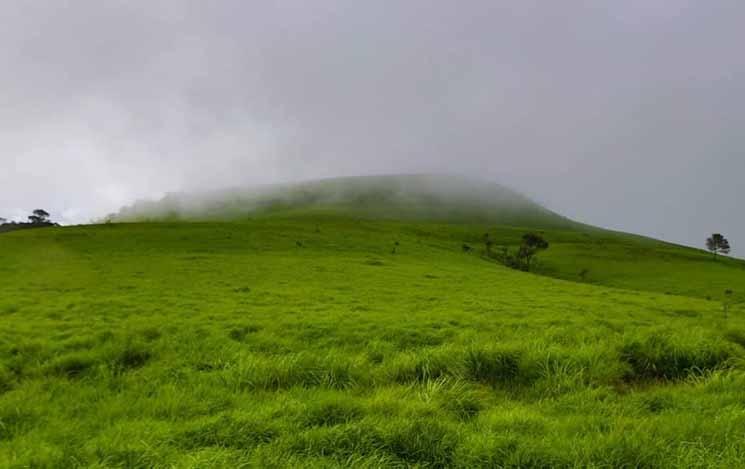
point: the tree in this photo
(531, 244)
(2, 221)
(39, 217)
(717, 243)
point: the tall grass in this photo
(227, 345)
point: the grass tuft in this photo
(74, 365)
(239, 334)
(422, 366)
(736, 336)
(663, 357)
(131, 357)
(332, 410)
(492, 365)
(7, 380)
(228, 431)
(423, 441)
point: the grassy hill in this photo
(461, 209)
(297, 337)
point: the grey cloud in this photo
(624, 114)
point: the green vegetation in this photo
(220, 344)
(530, 245)
(301, 338)
(39, 218)
(717, 244)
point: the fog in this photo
(402, 196)
(628, 115)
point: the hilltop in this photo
(390, 197)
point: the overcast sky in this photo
(624, 114)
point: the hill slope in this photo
(467, 208)
(306, 341)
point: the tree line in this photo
(522, 258)
(39, 218)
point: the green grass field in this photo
(303, 340)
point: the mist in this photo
(432, 197)
(627, 115)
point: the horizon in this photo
(291, 183)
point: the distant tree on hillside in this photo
(717, 243)
(531, 244)
(2, 221)
(39, 217)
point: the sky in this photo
(628, 115)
